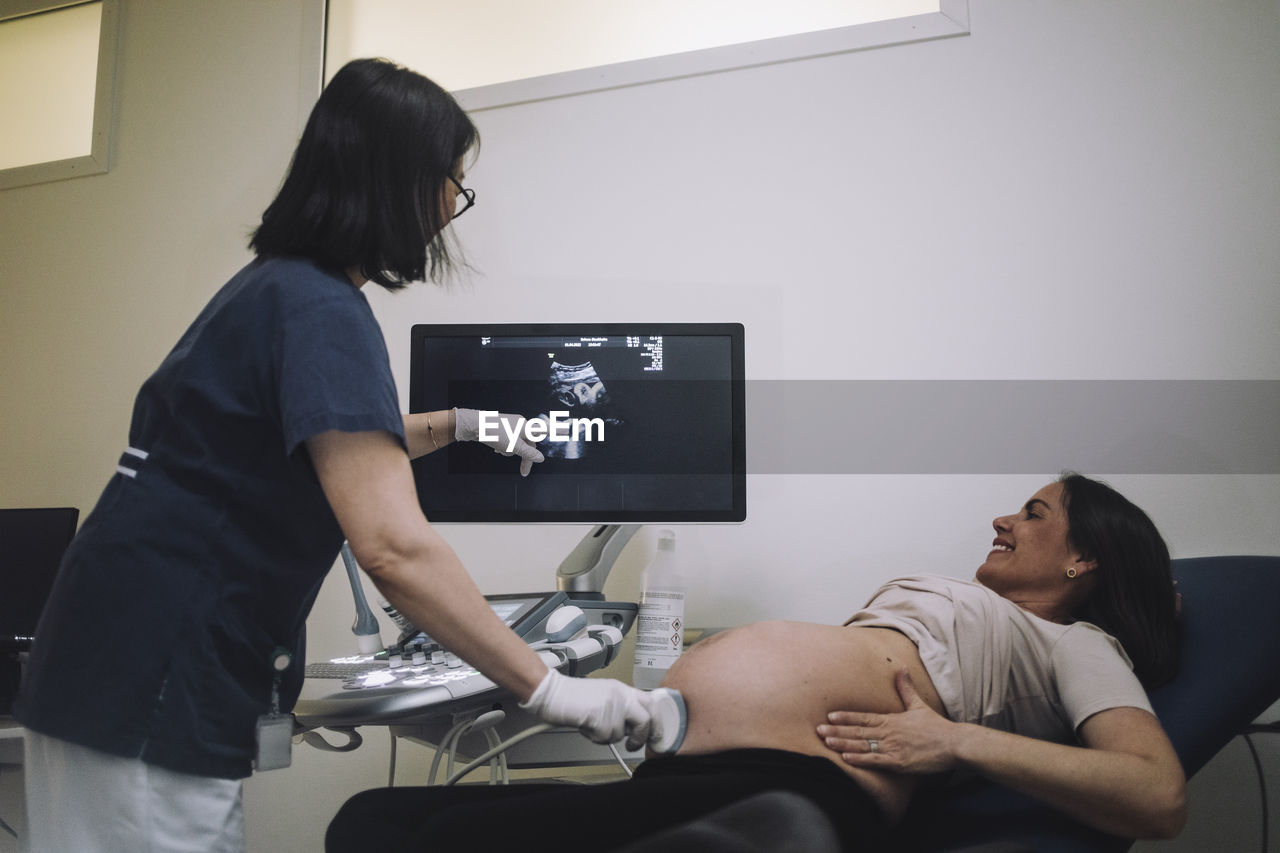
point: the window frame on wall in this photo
(951, 19)
(97, 160)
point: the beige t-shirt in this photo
(998, 665)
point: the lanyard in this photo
(280, 659)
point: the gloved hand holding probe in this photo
(606, 711)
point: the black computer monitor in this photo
(659, 411)
(32, 542)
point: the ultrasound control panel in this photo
(416, 678)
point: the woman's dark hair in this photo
(1133, 596)
(366, 180)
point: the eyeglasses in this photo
(468, 196)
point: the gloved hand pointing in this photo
(503, 432)
(603, 709)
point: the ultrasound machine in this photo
(662, 414)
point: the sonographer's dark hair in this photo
(1133, 597)
(364, 187)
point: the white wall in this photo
(101, 274)
(1076, 190)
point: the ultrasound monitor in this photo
(645, 422)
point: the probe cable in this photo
(1247, 734)
(497, 750)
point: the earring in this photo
(1071, 572)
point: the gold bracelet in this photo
(431, 434)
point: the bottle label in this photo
(660, 628)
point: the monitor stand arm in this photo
(587, 567)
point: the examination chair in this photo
(1228, 675)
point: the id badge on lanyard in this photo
(274, 733)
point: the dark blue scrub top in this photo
(189, 572)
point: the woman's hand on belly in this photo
(917, 740)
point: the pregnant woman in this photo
(1032, 674)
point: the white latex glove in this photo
(506, 437)
(603, 709)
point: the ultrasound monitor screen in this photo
(643, 422)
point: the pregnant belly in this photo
(770, 684)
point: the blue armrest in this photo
(1227, 676)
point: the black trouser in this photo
(664, 792)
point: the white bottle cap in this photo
(666, 540)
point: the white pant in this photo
(91, 802)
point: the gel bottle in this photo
(660, 622)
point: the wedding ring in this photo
(873, 745)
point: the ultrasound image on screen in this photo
(578, 391)
(644, 426)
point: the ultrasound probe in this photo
(672, 715)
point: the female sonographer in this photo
(269, 433)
